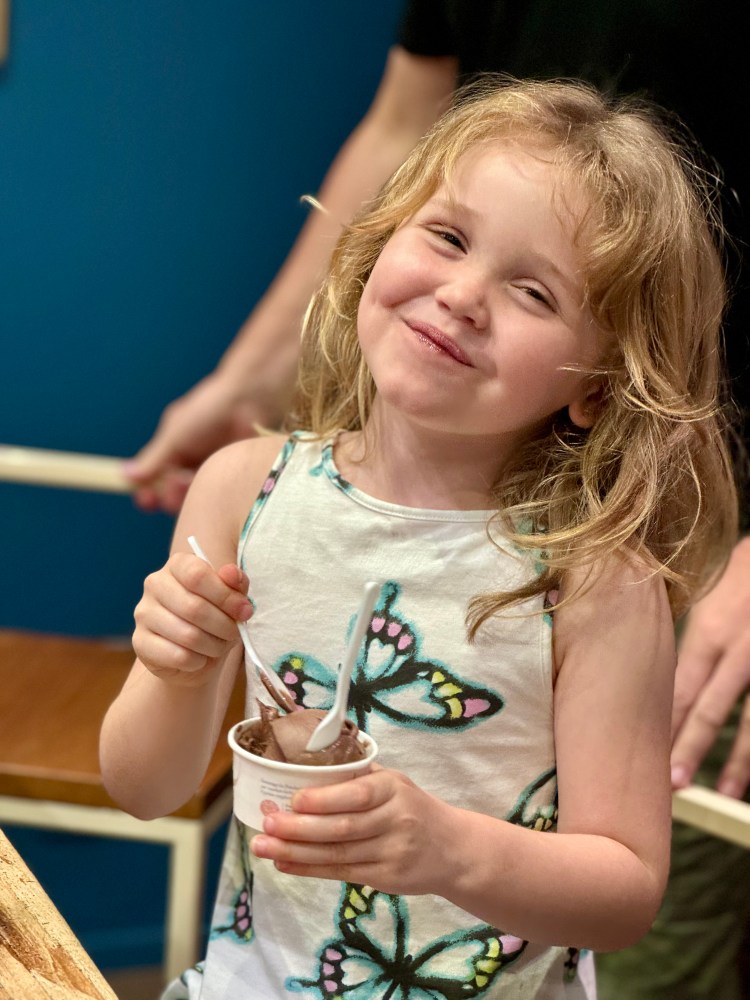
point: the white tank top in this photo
(468, 722)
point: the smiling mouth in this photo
(437, 341)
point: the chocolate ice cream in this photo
(283, 737)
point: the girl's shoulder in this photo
(245, 462)
(611, 607)
(235, 474)
(622, 584)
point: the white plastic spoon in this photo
(328, 729)
(269, 675)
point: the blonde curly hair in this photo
(653, 475)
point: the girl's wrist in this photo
(472, 840)
(456, 861)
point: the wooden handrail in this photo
(708, 810)
(67, 469)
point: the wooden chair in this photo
(54, 692)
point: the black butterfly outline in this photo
(529, 812)
(453, 702)
(481, 953)
(242, 907)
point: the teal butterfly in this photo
(241, 925)
(393, 678)
(371, 959)
(536, 809)
(268, 485)
(536, 806)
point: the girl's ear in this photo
(584, 410)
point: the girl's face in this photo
(474, 310)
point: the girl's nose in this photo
(464, 296)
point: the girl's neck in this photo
(406, 465)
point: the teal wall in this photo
(152, 157)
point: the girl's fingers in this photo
(384, 847)
(166, 658)
(197, 577)
(365, 874)
(234, 577)
(173, 663)
(197, 597)
(185, 618)
(316, 829)
(323, 856)
(360, 794)
(174, 629)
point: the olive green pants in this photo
(699, 946)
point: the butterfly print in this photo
(267, 487)
(393, 678)
(371, 958)
(532, 813)
(242, 917)
(570, 969)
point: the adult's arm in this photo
(253, 381)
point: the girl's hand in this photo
(379, 830)
(187, 618)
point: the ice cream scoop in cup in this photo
(271, 762)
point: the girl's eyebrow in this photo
(451, 205)
(569, 282)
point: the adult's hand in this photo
(713, 673)
(190, 429)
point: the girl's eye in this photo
(448, 236)
(538, 296)
(452, 239)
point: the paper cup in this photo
(264, 786)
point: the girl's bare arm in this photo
(158, 735)
(599, 880)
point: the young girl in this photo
(509, 387)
